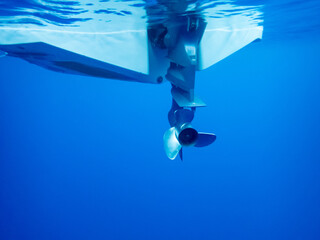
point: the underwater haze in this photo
(82, 157)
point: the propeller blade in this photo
(181, 155)
(184, 115)
(172, 146)
(205, 139)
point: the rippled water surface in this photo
(285, 18)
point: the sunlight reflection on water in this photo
(281, 19)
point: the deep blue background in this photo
(82, 158)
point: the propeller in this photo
(182, 134)
(174, 140)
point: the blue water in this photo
(82, 157)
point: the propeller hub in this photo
(188, 137)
